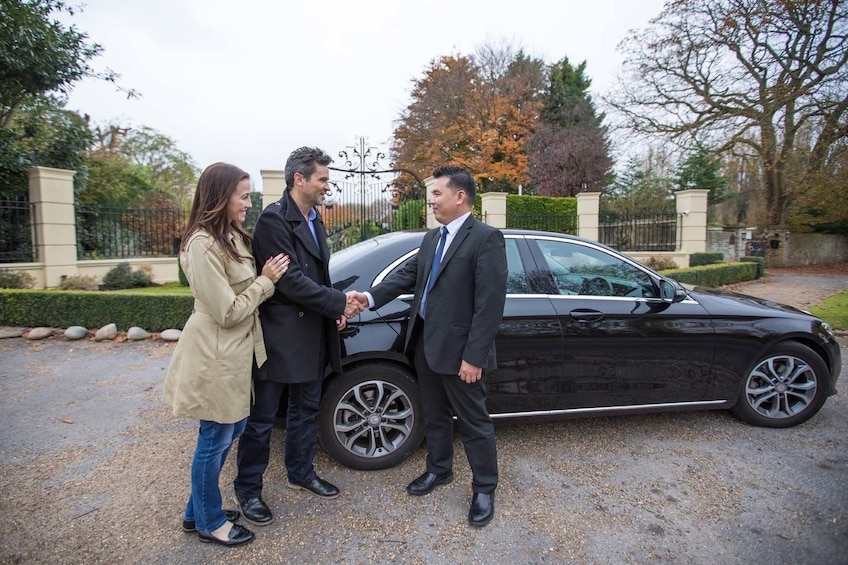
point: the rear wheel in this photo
(787, 386)
(371, 417)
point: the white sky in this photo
(249, 81)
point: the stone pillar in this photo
(588, 208)
(692, 206)
(273, 186)
(494, 209)
(52, 193)
(431, 219)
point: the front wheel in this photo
(787, 386)
(371, 417)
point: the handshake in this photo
(356, 303)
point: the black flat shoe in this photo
(189, 526)
(238, 535)
(318, 487)
(255, 511)
(482, 509)
(427, 482)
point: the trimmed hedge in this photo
(62, 309)
(715, 275)
(760, 261)
(698, 259)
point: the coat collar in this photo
(301, 228)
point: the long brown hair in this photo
(209, 210)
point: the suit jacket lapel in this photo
(457, 241)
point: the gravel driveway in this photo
(93, 469)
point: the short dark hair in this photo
(305, 160)
(458, 179)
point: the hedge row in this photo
(716, 275)
(698, 259)
(62, 309)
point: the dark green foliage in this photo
(698, 259)
(541, 213)
(702, 170)
(62, 309)
(715, 275)
(760, 261)
(122, 276)
(410, 215)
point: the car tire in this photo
(786, 386)
(371, 416)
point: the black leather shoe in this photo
(189, 525)
(318, 487)
(255, 511)
(427, 482)
(238, 535)
(482, 509)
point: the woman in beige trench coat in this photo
(209, 377)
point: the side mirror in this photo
(670, 292)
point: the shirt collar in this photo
(454, 226)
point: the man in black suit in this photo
(459, 280)
(300, 324)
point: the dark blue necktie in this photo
(434, 271)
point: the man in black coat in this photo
(459, 280)
(300, 325)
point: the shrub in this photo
(62, 309)
(715, 275)
(698, 259)
(760, 261)
(16, 279)
(122, 276)
(660, 263)
(79, 282)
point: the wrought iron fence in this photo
(654, 232)
(17, 237)
(559, 223)
(119, 233)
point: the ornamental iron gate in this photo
(369, 199)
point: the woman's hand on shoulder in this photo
(275, 267)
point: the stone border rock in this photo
(109, 332)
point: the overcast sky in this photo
(248, 81)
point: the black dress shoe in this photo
(255, 511)
(238, 535)
(318, 487)
(482, 509)
(427, 482)
(189, 525)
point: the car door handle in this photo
(586, 315)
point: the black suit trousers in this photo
(442, 396)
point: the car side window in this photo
(582, 270)
(516, 279)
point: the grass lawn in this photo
(833, 310)
(169, 288)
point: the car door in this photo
(529, 342)
(623, 345)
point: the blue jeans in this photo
(213, 445)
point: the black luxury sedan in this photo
(586, 331)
